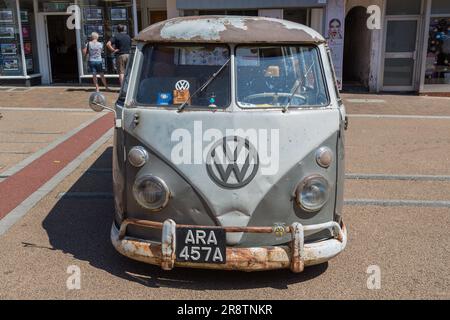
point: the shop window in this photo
(29, 36)
(296, 15)
(228, 12)
(440, 7)
(53, 6)
(103, 17)
(403, 7)
(399, 36)
(438, 53)
(10, 49)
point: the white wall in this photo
(317, 19)
(271, 13)
(172, 10)
(375, 42)
(147, 5)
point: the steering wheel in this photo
(275, 96)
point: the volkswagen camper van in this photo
(228, 147)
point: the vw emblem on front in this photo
(182, 85)
(232, 162)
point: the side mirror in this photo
(97, 102)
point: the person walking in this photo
(94, 50)
(122, 46)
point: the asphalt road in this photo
(410, 243)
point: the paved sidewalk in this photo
(50, 97)
(396, 104)
(356, 103)
(400, 163)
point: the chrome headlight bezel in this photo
(160, 203)
(138, 156)
(307, 181)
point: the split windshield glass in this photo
(279, 76)
(172, 73)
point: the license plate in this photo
(201, 245)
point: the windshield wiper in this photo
(295, 89)
(203, 86)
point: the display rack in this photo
(104, 21)
(10, 57)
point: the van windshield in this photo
(279, 76)
(171, 74)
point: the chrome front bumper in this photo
(294, 256)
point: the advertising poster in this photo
(89, 28)
(118, 14)
(26, 32)
(6, 15)
(24, 16)
(7, 32)
(334, 33)
(29, 63)
(8, 48)
(93, 14)
(114, 28)
(27, 47)
(201, 57)
(10, 64)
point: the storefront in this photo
(416, 46)
(308, 12)
(325, 16)
(435, 75)
(37, 46)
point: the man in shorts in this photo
(120, 44)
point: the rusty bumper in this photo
(294, 256)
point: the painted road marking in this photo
(14, 152)
(349, 176)
(365, 100)
(356, 176)
(85, 195)
(397, 203)
(11, 171)
(32, 132)
(17, 213)
(22, 184)
(24, 142)
(348, 202)
(47, 109)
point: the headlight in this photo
(312, 193)
(137, 156)
(151, 192)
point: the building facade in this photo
(409, 50)
(40, 44)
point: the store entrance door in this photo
(400, 53)
(62, 50)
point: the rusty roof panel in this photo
(229, 29)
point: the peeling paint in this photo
(229, 29)
(207, 29)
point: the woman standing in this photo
(94, 50)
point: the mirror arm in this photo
(117, 122)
